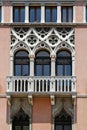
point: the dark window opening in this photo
(20, 121)
(18, 14)
(42, 63)
(67, 14)
(63, 121)
(34, 13)
(63, 63)
(50, 14)
(21, 63)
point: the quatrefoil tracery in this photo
(53, 37)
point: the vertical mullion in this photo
(51, 14)
(34, 14)
(67, 9)
(18, 14)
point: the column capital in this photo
(31, 56)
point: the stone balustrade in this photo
(39, 85)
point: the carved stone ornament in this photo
(36, 38)
(60, 104)
(18, 103)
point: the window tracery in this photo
(54, 38)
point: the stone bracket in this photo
(30, 99)
(9, 99)
(52, 98)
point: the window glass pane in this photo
(46, 70)
(38, 15)
(67, 70)
(64, 15)
(18, 70)
(59, 127)
(60, 70)
(54, 15)
(48, 15)
(16, 15)
(70, 14)
(67, 127)
(22, 14)
(32, 15)
(25, 70)
(38, 70)
(17, 127)
(25, 127)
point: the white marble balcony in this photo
(41, 85)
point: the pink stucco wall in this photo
(41, 114)
(79, 12)
(4, 57)
(7, 10)
(3, 114)
(81, 116)
(81, 59)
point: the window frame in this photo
(51, 11)
(19, 7)
(42, 63)
(69, 59)
(63, 121)
(19, 120)
(35, 13)
(67, 14)
(20, 61)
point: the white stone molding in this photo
(74, 13)
(42, 12)
(11, 13)
(52, 37)
(84, 13)
(53, 59)
(37, 38)
(26, 12)
(58, 13)
(2, 13)
(31, 57)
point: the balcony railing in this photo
(37, 85)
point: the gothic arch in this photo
(65, 104)
(41, 46)
(19, 46)
(65, 46)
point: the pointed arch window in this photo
(42, 63)
(20, 121)
(21, 63)
(64, 63)
(63, 121)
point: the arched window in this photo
(20, 121)
(64, 63)
(21, 63)
(42, 63)
(63, 121)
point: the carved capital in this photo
(30, 99)
(52, 98)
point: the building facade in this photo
(43, 70)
